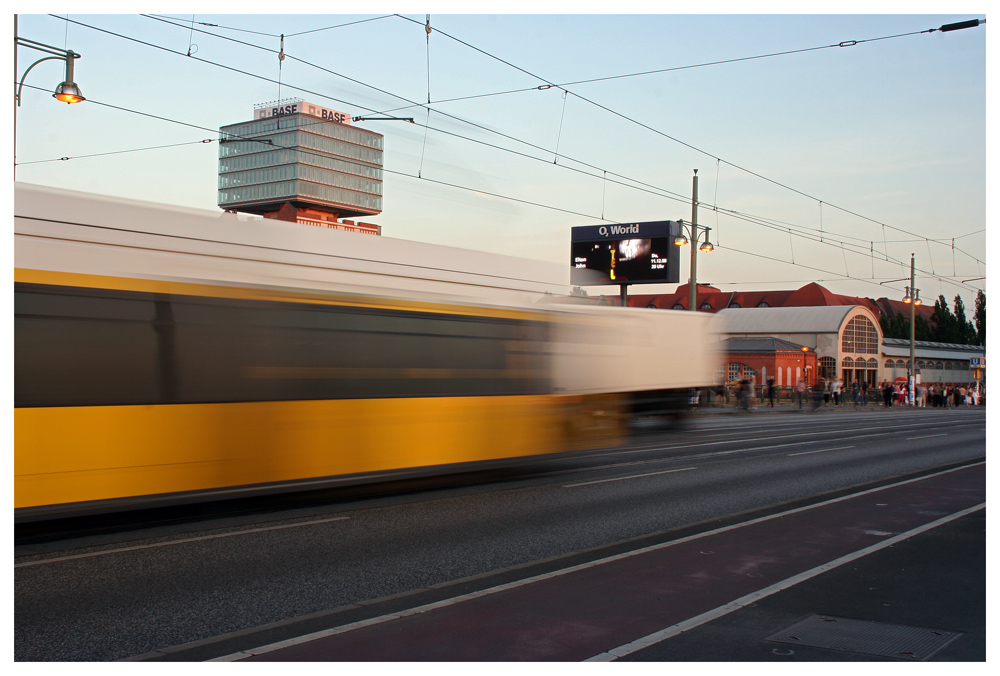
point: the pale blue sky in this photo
(893, 130)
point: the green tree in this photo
(923, 330)
(966, 331)
(899, 327)
(945, 325)
(981, 318)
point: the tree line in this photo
(945, 326)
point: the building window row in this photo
(929, 365)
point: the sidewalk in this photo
(784, 406)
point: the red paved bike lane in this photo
(585, 611)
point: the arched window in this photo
(678, 306)
(860, 336)
(706, 306)
(652, 304)
(873, 364)
(848, 363)
(890, 364)
(763, 303)
(735, 305)
(738, 371)
(947, 366)
(827, 367)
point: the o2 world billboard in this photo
(625, 253)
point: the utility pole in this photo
(913, 330)
(693, 291)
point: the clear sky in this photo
(876, 148)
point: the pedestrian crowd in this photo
(832, 391)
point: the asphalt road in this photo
(121, 594)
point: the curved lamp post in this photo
(67, 91)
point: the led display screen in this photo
(632, 253)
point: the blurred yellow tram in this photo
(166, 355)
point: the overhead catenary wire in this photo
(545, 206)
(659, 190)
(493, 131)
(676, 140)
(272, 35)
(118, 152)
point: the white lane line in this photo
(633, 476)
(260, 650)
(822, 450)
(176, 542)
(660, 447)
(927, 436)
(753, 597)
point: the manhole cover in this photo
(870, 638)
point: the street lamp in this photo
(912, 298)
(694, 229)
(706, 246)
(67, 91)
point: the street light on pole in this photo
(912, 298)
(67, 91)
(705, 246)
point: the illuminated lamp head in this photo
(68, 92)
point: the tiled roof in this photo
(764, 344)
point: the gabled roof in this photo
(810, 295)
(823, 319)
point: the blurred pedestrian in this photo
(771, 391)
(800, 391)
(856, 393)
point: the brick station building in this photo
(768, 357)
(841, 341)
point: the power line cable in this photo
(214, 63)
(679, 198)
(845, 43)
(117, 152)
(271, 35)
(540, 148)
(699, 150)
(538, 204)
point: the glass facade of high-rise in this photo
(301, 159)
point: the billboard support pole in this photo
(623, 296)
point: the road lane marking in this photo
(260, 650)
(176, 542)
(927, 436)
(661, 447)
(753, 597)
(822, 450)
(633, 476)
